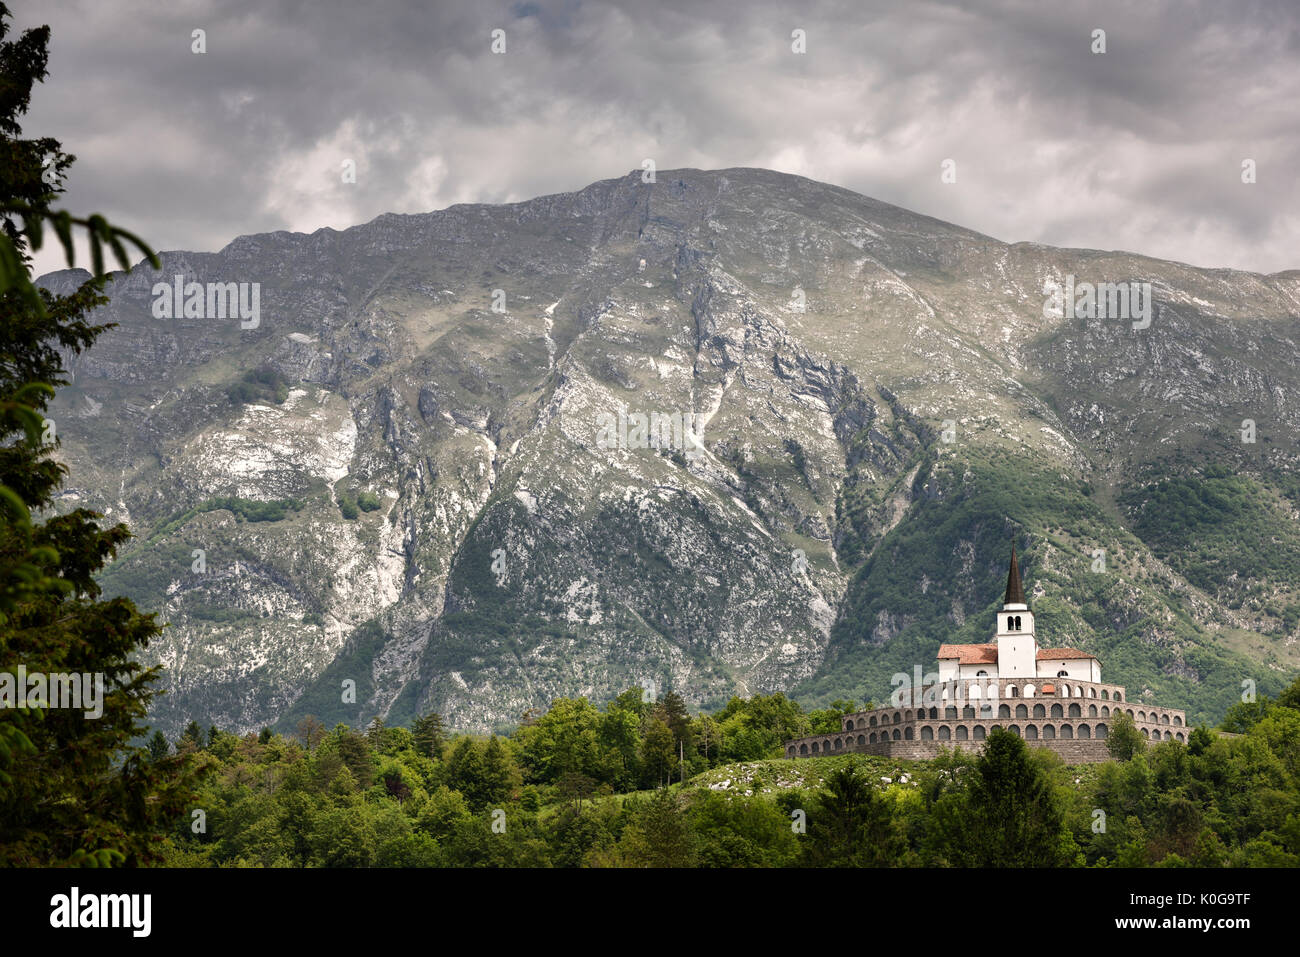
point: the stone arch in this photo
(1146, 733)
(945, 733)
(1075, 711)
(1067, 732)
(872, 738)
(873, 721)
(1178, 736)
(1040, 711)
(1029, 691)
(1014, 729)
(949, 712)
(1169, 736)
(1142, 715)
(897, 735)
(1105, 711)
(1085, 731)
(862, 723)
(934, 714)
(979, 732)
(1164, 719)
(1022, 711)
(1092, 692)
(907, 733)
(1130, 712)
(1049, 732)
(1013, 691)
(1105, 695)
(839, 744)
(1119, 696)
(1178, 721)
(1004, 710)
(817, 748)
(790, 751)
(961, 733)
(1031, 732)
(803, 750)
(1092, 711)
(907, 716)
(1078, 691)
(968, 712)
(1056, 711)
(1065, 689)
(861, 740)
(898, 717)
(1101, 731)
(927, 733)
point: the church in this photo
(1014, 652)
(1052, 697)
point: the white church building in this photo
(1014, 652)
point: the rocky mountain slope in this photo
(402, 475)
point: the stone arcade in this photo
(1051, 697)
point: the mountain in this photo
(386, 480)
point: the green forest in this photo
(581, 786)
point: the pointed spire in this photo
(1015, 593)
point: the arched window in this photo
(1004, 711)
(1040, 711)
(927, 733)
(1062, 674)
(1084, 731)
(979, 732)
(1092, 711)
(981, 673)
(1031, 732)
(1067, 731)
(944, 733)
(1056, 711)
(1049, 732)
(907, 733)
(1029, 691)
(1105, 695)
(1022, 711)
(961, 732)
(1013, 691)
(861, 740)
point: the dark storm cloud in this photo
(1139, 148)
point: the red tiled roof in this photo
(1063, 653)
(969, 654)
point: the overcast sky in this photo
(1139, 148)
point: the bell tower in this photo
(1017, 645)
